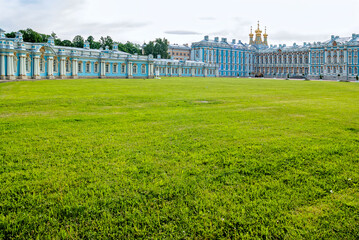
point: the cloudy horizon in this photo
(186, 22)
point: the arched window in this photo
(134, 69)
(355, 70)
(123, 68)
(143, 69)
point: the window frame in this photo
(80, 67)
(143, 69)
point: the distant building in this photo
(26, 60)
(179, 52)
(234, 59)
(335, 59)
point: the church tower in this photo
(251, 37)
(265, 37)
(258, 40)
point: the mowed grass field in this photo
(179, 158)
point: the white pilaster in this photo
(50, 68)
(22, 73)
(74, 68)
(2, 67)
(10, 67)
(129, 70)
(102, 69)
(62, 67)
(150, 70)
(36, 67)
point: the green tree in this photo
(90, 39)
(158, 47)
(78, 41)
(58, 42)
(10, 35)
(106, 42)
(67, 43)
(30, 35)
(130, 47)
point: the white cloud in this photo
(181, 22)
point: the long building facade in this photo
(24, 60)
(335, 59)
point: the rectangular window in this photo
(15, 64)
(96, 67)
(67, 66)
(123, 68)
(115, 68)
(88, 67)
(28, 65)
(42, 67)
(79, 67)
(56, 66)
(107, 68)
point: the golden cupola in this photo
(251, 35)
(258, 40)
(265, 37)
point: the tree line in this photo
(157, 47)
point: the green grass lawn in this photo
(179, 158)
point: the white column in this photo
(74, 68)
(50, 68)
(22, 73)
(2, 67)
(10, 67)
(36, 67)
(179, 71)
(150, 70)
(24, 66)
(62, 68)
(102, 69)
(129, 70)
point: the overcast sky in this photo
(183, 21)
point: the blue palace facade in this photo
(336, 58)
(23, 60)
